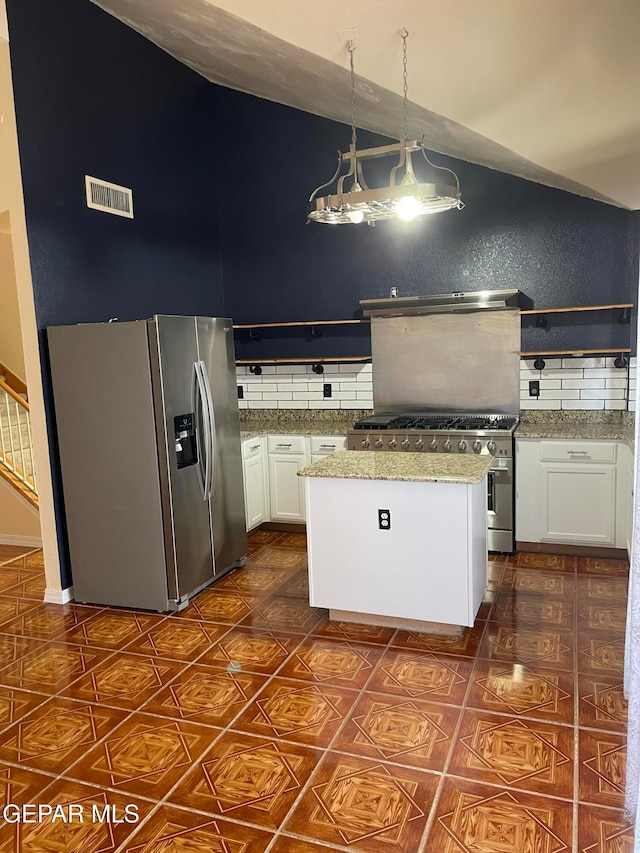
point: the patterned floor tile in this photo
(56, 734)
(602, 703)
(12, 552)
(145, 755)
(123, 680)
(201, 694)
(52, 667)
(277, 557)
(405, 731)
(517, 690)
(10, 576)
(471, 818)
(431, 677)
(603, 760)
(605, 615)
(30, 585)
(466, 644)
(12, 648)
(31, 560)
(600, 654)
(178, 639)
(597, 566)
(332, 662)
(100, 822)
(515, 753)
(293, 540)
(535, 611)
(365, 805)
(536, 582)
(253, 651)
(289, 844)
(11, 607)
(179, 831)
(306, 713)
(112, 629)
(528, 646)
(255, 780)
(217, 605)
(603, 831)
(284, 613)
(495, 574)
(255, 581)
(296, 586)
(48, 621)
(16, 704)
(337, 630)
(611, 588)
(264, 537)
(545, 562)
(18, 785)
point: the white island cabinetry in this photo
(398, 539)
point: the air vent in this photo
(111, 198)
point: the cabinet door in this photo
(254, 491)
(527, 462)
(286, 488)
(577, 503)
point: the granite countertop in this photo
(577, 430)
(411, 467)
(300, 426)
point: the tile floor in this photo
(250, 723)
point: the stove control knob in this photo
(392, 443)
(406, 444)
(433, 444)
(379, 442)
(462, 446)
(447, 445)
(477, 446)
(491, 446)
(419, 444)
(366, 443)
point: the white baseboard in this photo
(58, 596)
(28, 541)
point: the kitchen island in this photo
(398, 538)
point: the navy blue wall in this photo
(560, 249)
(220, 184)
(93, 97)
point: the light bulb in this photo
(408, 208)
(355, 216)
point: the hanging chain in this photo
(352, 49)
(405, 34)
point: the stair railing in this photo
(16, 446)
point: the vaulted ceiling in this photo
(542, 89)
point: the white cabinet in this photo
(287, 455)
(324, 445)
(256, 494)
(570, 492)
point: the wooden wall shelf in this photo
(621, 306)
(300, 323)
(577, 352)
(348, 359)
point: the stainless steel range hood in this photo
(477, 300)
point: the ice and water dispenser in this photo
(186, 444)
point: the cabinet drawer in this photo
(327, 444)
(286, 444)
(251, 447)
(577, 451)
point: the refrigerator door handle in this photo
(202, 410)
(211, 451)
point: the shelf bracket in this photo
(621, 361)
(255, 369)
(539, 363)
(625, 316)
(254, 336)
(314, 332)
(541, 322)
(318, 368)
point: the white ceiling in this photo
(543, 89)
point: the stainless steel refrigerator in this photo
(149, 442)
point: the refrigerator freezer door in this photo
(174, 344)
(109, 459)
(215, 348)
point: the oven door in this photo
(500, 495)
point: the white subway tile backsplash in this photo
(268, 387)
(364, 395)
(324, 404)
(562, 374)
(253, 396)
(583, 383)
(603, 373)
(308, 395)
(293, 404)
(558, 394)
(602, 394)
(533, 403)
(242, 404)
(279, 395)
(291, 368)
(583, 404)
(615, 404)
(616, 383)
(572, 363)
(295, 387)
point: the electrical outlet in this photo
(384, 519)
(534, 388)
(240, 392)
(326, 389)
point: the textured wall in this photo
(93, 97)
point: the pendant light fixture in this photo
(405, 197)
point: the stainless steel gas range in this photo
(442, 432)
